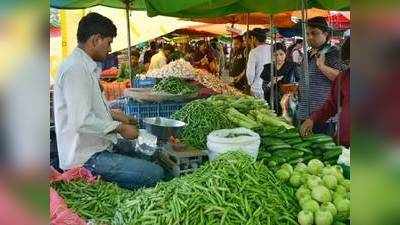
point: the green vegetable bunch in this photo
(230, 190)
(176, 86)
(323, 193)
(201, 118)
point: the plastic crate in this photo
(141, 110)
(144, 83)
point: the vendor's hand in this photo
(320, 60)
(120, 116)
(306, 128)
(128, 131)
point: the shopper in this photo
(286, 72)
(162, 58)
(150, 52)
(339, 98)
(324, 66)
(203, 57)
(238, 64)
(297, 52)
(86, 129)
(258, 57)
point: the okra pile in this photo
(229, 190)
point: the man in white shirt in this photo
(258, 57)
(86, 128)
(161, 58)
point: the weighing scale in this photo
(176, 157)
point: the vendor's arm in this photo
(78, 89)
(329, 72)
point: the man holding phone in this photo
(324, 66)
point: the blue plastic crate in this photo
(145, 83)
(141, 110)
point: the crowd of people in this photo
(249, 61)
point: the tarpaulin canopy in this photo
(83, 4)
(281, 20)
(215, 8)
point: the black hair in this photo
(168, 47)
(259, 34)
(135, 52)
(279, 46)
(94, 23)
(299, 41)
(345, 50)
(320, 23)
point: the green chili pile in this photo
(229, 190)
(176, 86)
(201, 118)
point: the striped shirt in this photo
(320, 85)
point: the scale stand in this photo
(180, 159)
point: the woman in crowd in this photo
(286, 72)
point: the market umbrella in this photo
(280, 20)
(83, 4)
(215, 8)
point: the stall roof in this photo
(83, 4)
(215, 8)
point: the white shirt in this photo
(258, 57)
(82, 118)
(158, 60)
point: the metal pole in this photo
(247, 35)
(305, 58)
(272, 70)
(129, 36)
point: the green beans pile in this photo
(176, 86)
(96, 201)
(229, 190)
(201, 118)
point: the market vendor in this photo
(162, 58)
(86, 128)
(203, 57)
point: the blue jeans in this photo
(122, 166)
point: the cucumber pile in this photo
(280, 145)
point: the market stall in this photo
(230, 158)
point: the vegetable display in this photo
(216, 84)
(179, 68)
(175, 86)
(323, 194)
(280, 145)
(230, 190)
(201, 118)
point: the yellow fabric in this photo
(143, 28)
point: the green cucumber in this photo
(277, 147)
(332, 154)
(305, 150)
(305, 144)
